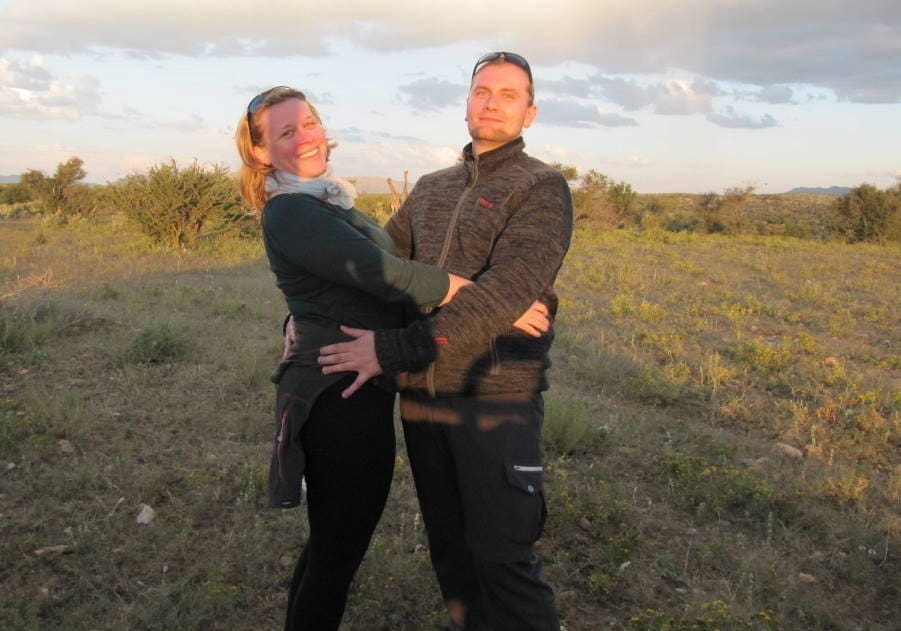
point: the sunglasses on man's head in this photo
(513, 58)
(257, 101)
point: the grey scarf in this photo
(326, 187)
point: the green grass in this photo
(680, 360)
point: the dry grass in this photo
(680, 361)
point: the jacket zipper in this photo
(445, 251)
(495, 357)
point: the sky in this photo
(667, 95)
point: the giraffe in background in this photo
(398, 199)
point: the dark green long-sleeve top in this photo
(334, 266)
(338, 266)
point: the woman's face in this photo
(294, 140)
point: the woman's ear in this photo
(262, 155)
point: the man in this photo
(472, 408)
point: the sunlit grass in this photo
(680, 360)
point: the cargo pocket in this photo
(527, 508)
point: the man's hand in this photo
(290, 336)
(535, 321)
(358, 356)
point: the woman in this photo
(334, 266)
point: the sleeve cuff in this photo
(405, 350)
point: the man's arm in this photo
(524, 262)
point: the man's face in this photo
(498, 106)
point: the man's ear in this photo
(530, 115)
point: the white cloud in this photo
(776, 94)
(28, 75)
(677, 97)
(849, 48)
(362, 152)
(31, 90)
(431, 94)
(571, 113)
(728, 117)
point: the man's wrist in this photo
(405, 350)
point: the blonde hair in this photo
(249, 134)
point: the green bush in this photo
(376, 205)
(20, 331)
(60, 194)
(160, 343)
(567, 425)
(176, 205)
(14, 194)
(599, 200)
(869, 214)
(25, 329)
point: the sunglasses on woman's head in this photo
(260, 98)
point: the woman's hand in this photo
(357, 356)
(290, 336)
(456, 282)
(536, 321)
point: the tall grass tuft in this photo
(567, 425)
(162, 342)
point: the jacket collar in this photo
(491, 160)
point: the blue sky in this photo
(688, 96)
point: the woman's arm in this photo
(306, 237)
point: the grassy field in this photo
(722, 438)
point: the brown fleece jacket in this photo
(504, 220)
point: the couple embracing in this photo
(453, 302)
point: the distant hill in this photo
(832, 190)
(9, 179)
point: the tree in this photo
(569, 172)
(175, 205)
(61, 194)
(867, 213)
(724, 213)
(14, 194)
(623, 199)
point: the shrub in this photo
(14, 194)
(567, 425)
(724, 214)
(20, 331)
(599, 200)
(376, 205)
(161, 342)
(175, 205)
(25, 329)
(61, 193)
(869, 214)
(720, 487)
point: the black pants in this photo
(349, 447)
(476, 462)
